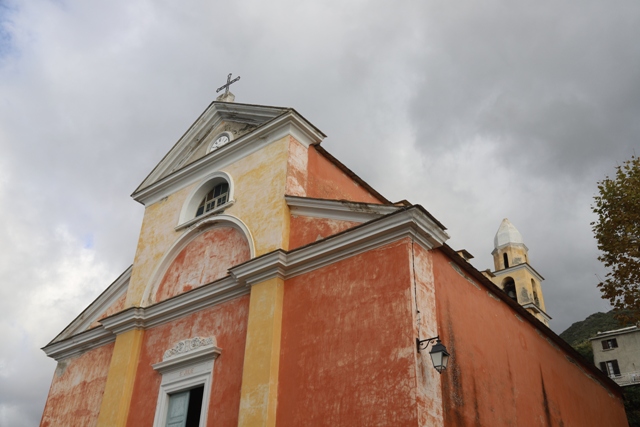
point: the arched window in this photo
(509, 286)
(535, 293)
(211, 197)
(217, 197)
(506, 260)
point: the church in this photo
(272, 286)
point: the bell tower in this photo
(513, 274)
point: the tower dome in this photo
(507, 233)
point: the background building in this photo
(617, 353)
(272, 286)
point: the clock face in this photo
(223, 139)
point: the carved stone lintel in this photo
(188, 345)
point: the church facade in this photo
(273, 286)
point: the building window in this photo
(509, 287)
(609, 344)
(611, 368)
(185, 408)
(215, 198)
(506, 260)
(185, 388)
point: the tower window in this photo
(506, 260)
(534, 288)
(218, 196)
(509, 286)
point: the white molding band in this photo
(537, 309)
(525, 266)
(342, 210)
(411, 222)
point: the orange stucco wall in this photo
(205, 259)
(503, 371)
(347, 349)
(305, 230)
(228, 323)
(76, 390)
(326, 181)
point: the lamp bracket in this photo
(423, 344)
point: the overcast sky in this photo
(475, 110)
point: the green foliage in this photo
(617, 231)
(585, 349)
(632, 404)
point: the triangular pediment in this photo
(230, 118)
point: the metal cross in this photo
(229, 82)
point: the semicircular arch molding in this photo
(190, 206)
(204, 226)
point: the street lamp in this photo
(438, 353)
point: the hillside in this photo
(587, 328)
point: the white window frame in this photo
(190, 206)
(188, 364)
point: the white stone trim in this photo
(210, 222)
(190, 206)
(525, 266)
(410, 222)
(289, 123)
(200, 298)
(537, 309)
(79, 344)
(342, 210)
(97, 307)
(184, 371)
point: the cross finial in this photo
(229, 83)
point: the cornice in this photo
(288, 123)
(408, 222)
(537, 309)
(146, 317)
(79, 343)
(513, 268)
(342, 210)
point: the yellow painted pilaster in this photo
(122, 371)
(259, 396)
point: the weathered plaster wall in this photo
(347, 347)
(305, 230)
(428, 390)
(503, 371)
(297, 168)
(228, 323)
(76, 390)
(326, 181)
(205, 259)
(259, 179)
